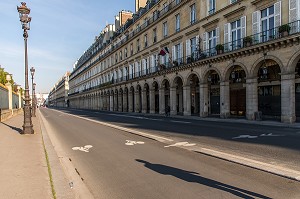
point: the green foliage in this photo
(219, 47)
(285, 27)
(3, 78)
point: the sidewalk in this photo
(23, 167)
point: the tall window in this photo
(116, 57)
(193, 14)
(177, 1)
(236, 34)
(146, 40)
(193, 46)
(137, 45)
(267, 23)
(121, 56)
(154, 35)
(131, 49)
(178, 53)
(177, 23)
(165, 29)
(212, 41)
(125, 52)
(211, 6)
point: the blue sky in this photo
(61, 30)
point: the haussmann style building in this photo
(226, 58)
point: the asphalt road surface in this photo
(117, 164)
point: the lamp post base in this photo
(27, 126)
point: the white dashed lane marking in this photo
(86, 148)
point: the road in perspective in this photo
(159, 158)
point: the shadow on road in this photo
(13, 128)
(190, 176)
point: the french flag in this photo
(164, 51)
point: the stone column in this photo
(162, 101)
(204, 100)
(144, 101)
(130, 101)
(288, 106)
(224, 100)
(173, 101)
(10, 97)
(125, 102)
(137, 101)
(251, 98)
(152, 101)
(187, 100)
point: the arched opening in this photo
(121, 102)
(156, 98)
(269, 89)
(147, 95)
(126, 100)
(237, 80)
(193, 80)
(179, 95)
(139, 99)
(297, 91)
(111, 101)
(213, 80)
(116, 100)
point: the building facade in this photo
(237, 58)
(58, 95)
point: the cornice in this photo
(241, 9)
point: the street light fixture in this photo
(25, 21)
(32, 71)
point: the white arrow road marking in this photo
(130, 142)
(269, 135)
(181, 144)
(84, 149)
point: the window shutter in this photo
(243, 27)
(277, 13)
(174, 53)
(218, 35)
(188, 48)
(227, 36)
(205, 43)
(293, 10)
(256, 24)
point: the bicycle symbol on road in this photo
(86, 148)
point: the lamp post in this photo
(32, 71)
(25, 21)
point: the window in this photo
(211, 7)
(155, 15)
(233, 1)
(236, 34)
(131, 49)
(193, 14)
(154, 35)
(146, 40)
(165, 29)
(178, 53)
(212, 41)
(193, 46)
(138, 45)
(125, 52)
(116, 57)
(120, 55)
(177, 25)
(267, 23)
(177, 1)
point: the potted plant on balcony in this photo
(247, 41)
(284, 30)
(219, 48)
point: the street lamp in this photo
(25, 21)
(32, 70)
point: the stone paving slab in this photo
(23, 167)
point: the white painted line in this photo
(180, 122)
(181, 144)
(86, 148)
(245, 136)
(158, 138)
(136, 117)
(131, 143)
